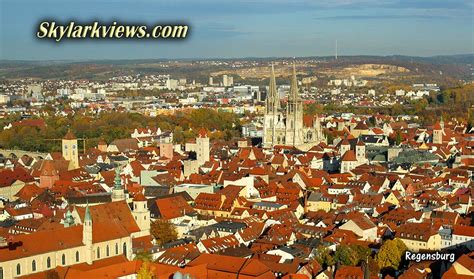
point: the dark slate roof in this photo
(240, 251)
(95, 198)
(228, 226)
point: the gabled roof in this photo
(220, 266)
(349, 156)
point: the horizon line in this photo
(232, 58)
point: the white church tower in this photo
(87, 235)
(141, 214)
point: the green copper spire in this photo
(117, 180)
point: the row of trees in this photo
(388, 259)
(115, 125)
(451, 102)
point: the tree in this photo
(362, 253)
(145, 272)
(323, 256)
(398, 137)
(345, 255)
(178, 135)
(390, 254)
(163, 231)
(144, 255)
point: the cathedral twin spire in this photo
(273, 98)
(294, 96)
(286, 126)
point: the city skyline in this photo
(244, 29)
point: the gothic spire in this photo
(87, 215)
(294, 86)
(273, 90)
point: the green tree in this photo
(345, 255)
(323, 256)
(144, 255)
(390, 254)
(398, 137)
(362, 252)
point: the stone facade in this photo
(286, 126)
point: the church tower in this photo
(87, 235)
(49, 175)
(202, 147)
(360, 152)
(438, 131)
(118, 193)
(294, 114)
(70, 150)
(272, 110)
(141, 214)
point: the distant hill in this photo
(456, 66)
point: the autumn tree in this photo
(145, 271)
(362, 252)
(323, 256)
(390, 254)
(345, 255)
(144, 255)
(163, 231)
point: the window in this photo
(33, 265)
(107, 252)
(77, 256)
(63, 259)
(116, 249)
(18, 269)
(1, 273)
(124, 250)
(48, 262)
(98, 252)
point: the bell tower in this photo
(87, 235)
(70, 150)
(272, 109)
(141, 214)
(294, 114)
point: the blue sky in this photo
(246, 28)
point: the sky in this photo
(245, 28)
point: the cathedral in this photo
(288, 126)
